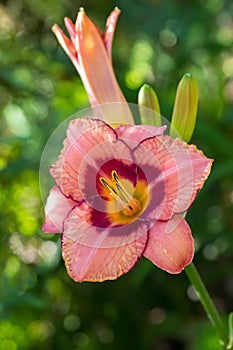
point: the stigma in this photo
(128, 204)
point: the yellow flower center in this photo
(119, 191)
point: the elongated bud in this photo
(185, 108)
(148, 98)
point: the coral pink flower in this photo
(90, 51)
(120, 194)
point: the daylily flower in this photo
(90, 51)
(120, 194)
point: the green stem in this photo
(207, 302)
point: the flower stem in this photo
(207, 303)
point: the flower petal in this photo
(139, 132)
(110, 29)
(192, 168)
(93, 254)
(66, 44)
(162, 193)
(90, 145)
(179, 170)
(84, 136)
(71, 29)
(56, 209)
(170, 245)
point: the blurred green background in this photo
(156, 42)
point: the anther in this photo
(104, 182)
(115, 176)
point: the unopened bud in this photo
(148, 98)
(185, 108)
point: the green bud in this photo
(148, 98)
(185, 108)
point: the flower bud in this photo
(148, 98)
(185, 108)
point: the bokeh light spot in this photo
(210, 252)
(157, 315)
(71, 323)
(192, 294)
(16, 120)
(81, 340)
(167, 38)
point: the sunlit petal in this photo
(96, 69)
(71, 29)
(90, 51)
(66, 44)
(110, 29)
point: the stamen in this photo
(130, 205)
(127, 197)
